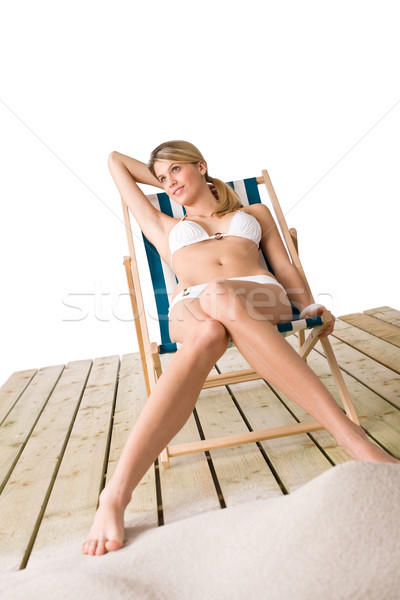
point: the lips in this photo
(178, 191)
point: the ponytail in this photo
(228, 200)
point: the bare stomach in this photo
(213, 259)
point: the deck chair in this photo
(164, 282)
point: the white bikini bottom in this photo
(196, 290)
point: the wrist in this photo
(310, 308)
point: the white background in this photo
(309, 90)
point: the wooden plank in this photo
(371, 346)
(377, 417)
(74, 497)
(242, 472)
(21, 420)
(372, 374)
(131, 397)
(323, 438)
(296, 459)
(25, 495)
(384, 331)
(187, 487)
(386, 314)
(12, 390)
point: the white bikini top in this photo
(185, 233)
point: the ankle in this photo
(353, 433)
(359, 447)
(114, 496)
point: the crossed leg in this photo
(225, 309)
(275, 360)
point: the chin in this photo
(178, 200)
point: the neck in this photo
(203, 207)
(199, 216)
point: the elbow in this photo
(112, 157)
(113, 161)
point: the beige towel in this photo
(337, 537)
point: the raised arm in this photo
(127, 172)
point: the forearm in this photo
(139, 170)
(295, 287)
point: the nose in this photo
(171, 180)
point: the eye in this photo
(175, 169)
(162, 179)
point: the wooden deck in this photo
(63, 427)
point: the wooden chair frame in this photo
(149, 351)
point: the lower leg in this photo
(164, 414)
(276, 361)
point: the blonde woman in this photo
(222, 293)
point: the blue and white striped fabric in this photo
(164, 280)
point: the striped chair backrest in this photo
(162, 276)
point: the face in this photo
(181, 181)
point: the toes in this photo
(89, 547)
(113, 545)
(92, 547)
(100, 549)
(85, 547)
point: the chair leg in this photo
(312, 337)
(302, 335)
(155, 355)
(164, 459)
(341, 385)
(141, 328)
(302, 339)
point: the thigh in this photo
(263, 301)
(184, 316)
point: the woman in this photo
(222, 293)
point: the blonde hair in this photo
(185, 152)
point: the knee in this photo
(210, 335)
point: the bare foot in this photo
(361, 448)
(107, 531)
